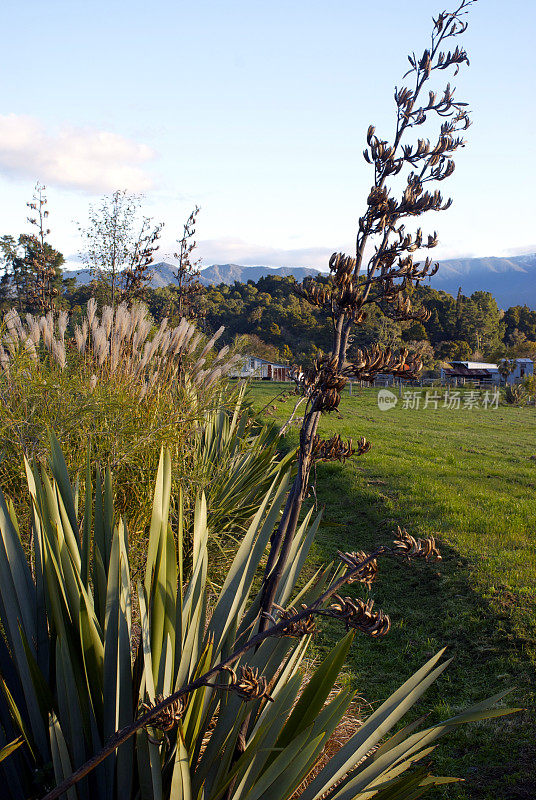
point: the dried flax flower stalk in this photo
(359, 614)
(169, 717)
(383, 272)
(408, 546)
(363, 569)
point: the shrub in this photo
(208, 707)
(128, 389)
(529, 384)
(515, 394)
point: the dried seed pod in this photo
(362, 573)
(169, 717)
(305, 626)
(363, 446)
(410, 547)
(248, 684)
(328, 401)
(369, 362)
(358, 614)
(333, 449)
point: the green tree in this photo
(286, 353)
(506, 367)
(414, 332)
(479, 322)
(42, 260)
(31, 273)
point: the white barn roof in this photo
(475, 364)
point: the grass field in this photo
(467, 476)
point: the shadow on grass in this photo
(433, 606)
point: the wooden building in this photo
(479, 372)
(261, 369)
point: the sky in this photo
(258, 113)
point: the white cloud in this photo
(228, 250)
(526, 250)
(74, 158)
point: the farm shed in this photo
(523, 367)
(261, 369)
(473, 371)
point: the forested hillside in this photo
(269, 317)
(281, 324)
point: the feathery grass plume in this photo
(34, 331)
(198, 365)
(11, 341)
(58, 352)
(46, 325)
(115, 354)
(29, 346)
(80, 339)
(107, 319)
(11, 338)
(91, 309)
(178, 338)
(140, 331)
(99, 343)
(211, 376)
(122, 321)
(94, 327)
(13, 323)
(48, 337)
(194, 341)
(211, 342)
(63, 321)
(222, 353)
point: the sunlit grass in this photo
(468, 477)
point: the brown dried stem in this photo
(391, 272)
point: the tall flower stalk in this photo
(385, 278)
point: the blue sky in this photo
(258, 113)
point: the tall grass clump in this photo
(117, 381)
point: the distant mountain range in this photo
(512, 281)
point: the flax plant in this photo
(164, 725)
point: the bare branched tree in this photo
(187, 274)
(119, 248)
(137, 271)
(386, 278)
